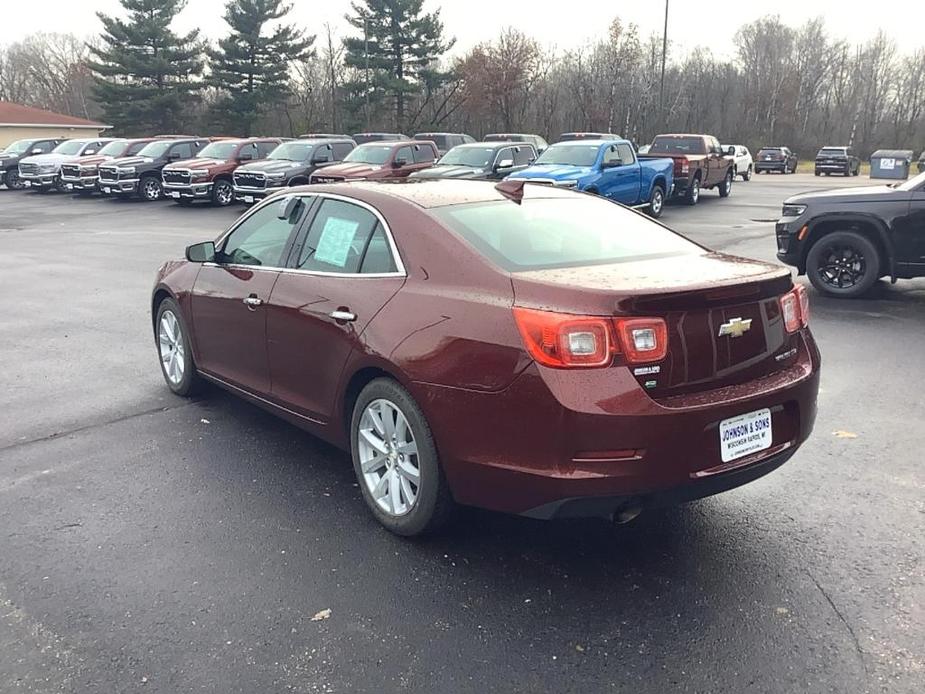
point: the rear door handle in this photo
(253, 302)
(344, 316)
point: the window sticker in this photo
(336, 239)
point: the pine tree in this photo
(397, 44)
(252, 69)
(146, 74)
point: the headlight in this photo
(127, 169)
(278, 174)
(793, 210)
(566, 184)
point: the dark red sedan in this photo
(516, 347)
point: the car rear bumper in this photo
(558, 443)
(190, 191)
(770, 165)
(839, 167)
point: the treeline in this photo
(784, 85)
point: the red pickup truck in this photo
(699, 162)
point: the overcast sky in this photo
(552, 22)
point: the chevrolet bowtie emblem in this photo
(735, 327)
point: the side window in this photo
(248, 151)
(423, 154)
(181, 151)
(378, 257)
(338, 237)
(323, 152)
(611, 155)
(264, 148)
(46, 146)
(506, 153)
(523, 155)
(261, 238)
(341, 150)
(135, 148)
(404, 153)
(626, 154)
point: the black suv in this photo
(290, 164)
(9, 158)
(141, 175)
(841, 160)
(845, 240)
(776, 159)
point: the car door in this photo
(344, 269)
(621, 174)
(497, 171)
(716, 162)
(228, 302)
(909, 233)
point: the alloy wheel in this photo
(695, 191)
(388, 456)
(842, 266)
(170, 347)
(13, 181)
(151, 189)
(658, 199)
(223, 193)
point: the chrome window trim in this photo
(393, 247)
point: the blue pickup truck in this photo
(608, 168)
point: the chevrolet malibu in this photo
(516, 347)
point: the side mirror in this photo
(398, 163)
(288, 206)
(201, 252)
(731, 151)
(614, 163)
(37, 150)
(505, 164)
(320, 160)
(89, 151)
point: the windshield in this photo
(678, 145)
(113, 149)
(218, 150)
(572, 155)
(439, 140)
(370, 154)
(19, 147)
(291, 151)
(478, 157)
(913, 183)
(155, 149)
(561, 232)
(70, 147)
(770, 150)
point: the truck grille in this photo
(327, 179)
(70, 170)
(250, 180)
(179, 177)
(108, 173)
(29, 168)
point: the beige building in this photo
(18, 122)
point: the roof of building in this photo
(17, 114)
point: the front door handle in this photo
(343, 316)
(253, 302)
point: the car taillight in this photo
(563, 340)
(794, 307)
(685, 166)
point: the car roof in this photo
(429, 132)
(430, 193)
(589, 141)
(681, 135)
(318, 140)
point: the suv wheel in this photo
(656, 202)
(844, 264)
(11, 179)
(747, 176)
(693, 191)
(150, 189)
(726, 186)
(222, 193)
(395, 460)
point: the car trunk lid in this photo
(722, 312)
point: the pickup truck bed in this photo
(699, 162)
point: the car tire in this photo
(222, 193)
(726, 186)
(386, 475)
(656, 202)
(817, 173)
(150, 189)
(692, 194)
(171, 338)
(747, 176)
(11, 179)
(843, 264)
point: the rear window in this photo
(678, 145)
(442, 141)
(561, 232)
(831, 152)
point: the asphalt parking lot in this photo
(154, 544)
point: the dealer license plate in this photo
(107, 189)
(248, 199)
(70, 186)
(746, 434)
(174, 194)
(27, 184)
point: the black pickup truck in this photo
(140, 176)
(10, 156)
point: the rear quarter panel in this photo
(654, 171)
